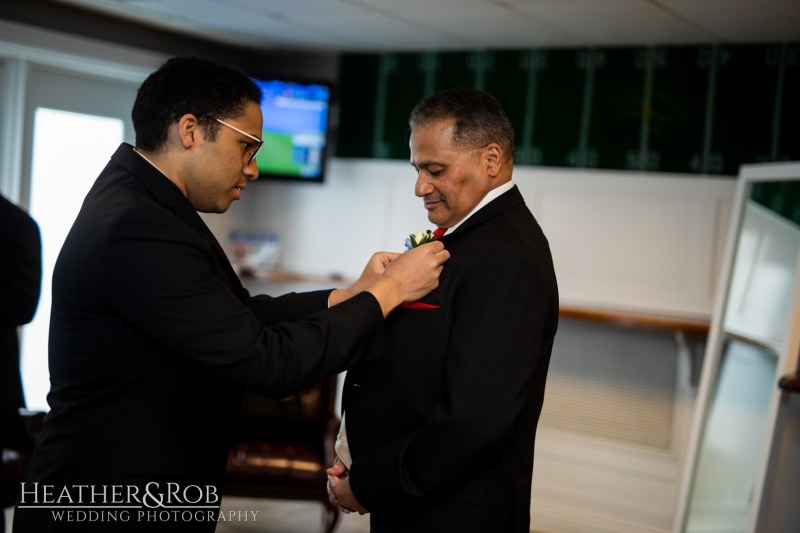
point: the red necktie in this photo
(438, 232)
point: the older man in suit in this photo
(439, 436)
(152, 337)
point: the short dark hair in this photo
(479, 118)
(189, 84)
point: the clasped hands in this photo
(339, 492)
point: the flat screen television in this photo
(296, 122)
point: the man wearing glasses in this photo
(152, 336)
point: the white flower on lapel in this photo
(419, 238)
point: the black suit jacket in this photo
(20, 283)
(153, 340)
(442, 431)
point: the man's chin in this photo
(216, 210)
(435, 220)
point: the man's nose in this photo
(423, 187)
(251, 170)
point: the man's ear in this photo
(189, 130)
(493, 158)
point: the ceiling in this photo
(416, 25)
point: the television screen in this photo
(296, 119)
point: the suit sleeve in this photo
(495, 350)
(20, 272)
(168, 286)
(288, 307)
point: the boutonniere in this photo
(419, 238)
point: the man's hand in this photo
(396, 278)
(410, 276)
(372, 273)
(339, 492)
(374, 270)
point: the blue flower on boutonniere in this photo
(419, 238)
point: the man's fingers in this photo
(335, 501)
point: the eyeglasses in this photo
(258, 143)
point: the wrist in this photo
(389, 294)
(337, 296)
(358, 286)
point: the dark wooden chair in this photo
(281, 448)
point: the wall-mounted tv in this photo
(296, 122)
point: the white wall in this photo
(630, 241)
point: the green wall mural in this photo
(686, 109)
